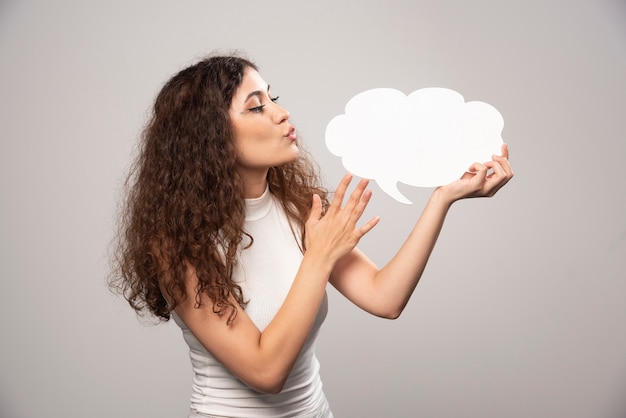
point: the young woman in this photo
(227, 230)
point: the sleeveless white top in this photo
(265, 272)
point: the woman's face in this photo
(263, 136)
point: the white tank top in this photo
(265, 272)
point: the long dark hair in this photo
(184, 202)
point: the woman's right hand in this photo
(336, 233)
(264, 359)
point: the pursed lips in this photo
(291, 134)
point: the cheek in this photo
(251, 150)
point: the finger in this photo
(357, 195)
(340, 192)
(505, 151)
(479, 169)
(503, 161)
(491, 168)
(368, 226)
(506, 166)
(498, 179)
(480, 174)
(356, 212)
(495, 173)
(316, 209)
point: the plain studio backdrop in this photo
(522, 309)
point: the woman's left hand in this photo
(481, 180)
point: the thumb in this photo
(316, 209)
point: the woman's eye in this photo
(256, 109)
(259, 109)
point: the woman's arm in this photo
(385, 292)
(264, 359)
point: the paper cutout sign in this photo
(426, 139)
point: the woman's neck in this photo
(254, 183)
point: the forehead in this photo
(252, 81)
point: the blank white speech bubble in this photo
(426, 139)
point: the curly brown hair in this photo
(184, 200)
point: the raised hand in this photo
(336, 233)
(482, 180)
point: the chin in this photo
(289, 156)
(295, 154)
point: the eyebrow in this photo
(256, 93)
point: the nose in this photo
(281, 114)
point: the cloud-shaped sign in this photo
(426, 139)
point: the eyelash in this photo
(259, 109)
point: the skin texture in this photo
(262, 138)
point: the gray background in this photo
(522, 309)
